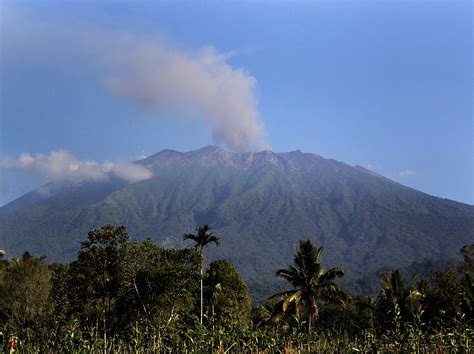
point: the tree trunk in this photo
(202, 273)
(105, 331)
(313, 313)
(309, 323)
(201, 292)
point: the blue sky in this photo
(382, 84)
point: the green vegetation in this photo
(203, 238)
(261, 205)
(311, 283)
(124, 296)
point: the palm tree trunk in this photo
(202, 273)
(309, 323)
(313, 313)
(201, 292)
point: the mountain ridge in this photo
(213, 155)
(261, 204)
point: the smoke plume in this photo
(154, 77)
(147, 71)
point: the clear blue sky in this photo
(382, 84)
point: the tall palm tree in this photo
(311, 284)
(202, 238)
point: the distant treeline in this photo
(126, 296)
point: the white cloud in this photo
(59, 165)
(131, 172)
(141, 156)
(407, 173)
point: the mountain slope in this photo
(261, 204)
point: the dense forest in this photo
(120, 295)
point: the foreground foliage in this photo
(311, 284)
(123, 296)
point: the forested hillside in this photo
(261, 204)
(119, 295)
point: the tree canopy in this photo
(311, 282)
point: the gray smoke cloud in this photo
(61, 164)
(146, 71)
(154, 77)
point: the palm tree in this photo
(395, 292)
(311, 284)
(202, 238)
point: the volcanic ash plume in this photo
(155, 77)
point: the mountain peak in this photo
(212, 155)
(262, 203)
(210, 148)
(215, 156)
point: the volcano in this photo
(260, 204)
